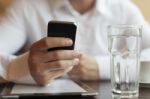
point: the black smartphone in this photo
(62, 29)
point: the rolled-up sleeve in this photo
(15, 69)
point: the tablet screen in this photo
(57, 86)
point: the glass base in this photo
(125, 95)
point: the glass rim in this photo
(125, 26)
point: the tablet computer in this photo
(57, 88)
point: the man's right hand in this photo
(45, 66)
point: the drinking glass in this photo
(124, 43)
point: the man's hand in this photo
(45, 66)
(87, 69)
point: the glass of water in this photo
(124, 47)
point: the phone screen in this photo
(62, 29)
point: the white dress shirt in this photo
(26, 22)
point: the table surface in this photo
(104, 90)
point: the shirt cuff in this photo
(104, 67)
(18, 71)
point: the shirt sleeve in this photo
(12, 30)
(12, 38)
(15, 68)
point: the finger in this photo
(46, 78)
(51, 42)
(56, 55)
(57, 65)
(76, 70)
(74, 76)
(44, 57)
(59, 73)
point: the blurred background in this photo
(3, 5)
(142, 4)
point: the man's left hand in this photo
(87, 69)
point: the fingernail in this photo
(69, 42)
(76, 61)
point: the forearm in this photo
(15, 69)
